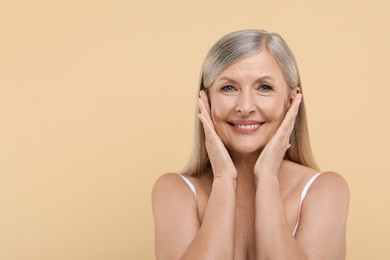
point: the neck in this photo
(244, 164)
(246, 183)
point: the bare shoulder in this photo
(294, 176)
(170, 186)
(175, 216)
(295, 170)
(328, 181)
(333, 185)
(330, 193)
(322, 229)
(166, 181)
(327, 201)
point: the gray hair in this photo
(228, 50)
(238, 45)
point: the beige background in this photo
(97, 101)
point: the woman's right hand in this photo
(221, 162)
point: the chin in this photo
(249, 149)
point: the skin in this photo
(248, 208)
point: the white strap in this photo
(303, 195)
(189, 183)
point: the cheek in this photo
(219, 109)
(217, 113)
(274, 109)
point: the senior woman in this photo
(252, 189)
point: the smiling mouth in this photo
(245, 127)
(251, 126)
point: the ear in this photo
(293, 93)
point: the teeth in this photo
(247, 126)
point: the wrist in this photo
(232, 177)
(272, 172)
(266, 177)
(224, 181)
(225, 174)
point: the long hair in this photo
(236, 46)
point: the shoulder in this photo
(167, 181)
(328, 197)
(175, 216)
(170, 185)
(330, 181)
(333, 185)
(326, 181)
(322, 228)
(323, 219)
(172, 200)
(328, 186)
(295, 170)
(294, 176)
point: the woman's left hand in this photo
(272, 155)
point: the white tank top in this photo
(303, 194)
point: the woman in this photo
(252, 189)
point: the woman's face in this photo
(248, 101)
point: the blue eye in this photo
(228, 88)
(265, 88)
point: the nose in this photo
(245, 103)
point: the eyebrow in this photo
(257, 80)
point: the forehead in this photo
(259, 65)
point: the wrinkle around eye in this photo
(265, 88)
(228, 88)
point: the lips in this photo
(245, 126)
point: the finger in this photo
(208, 127)
(204, 107)
(213, 143)
(288, 122)
(203, 95)
(204, 117)
(294, 108)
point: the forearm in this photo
(273, 235)
(215, 238)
